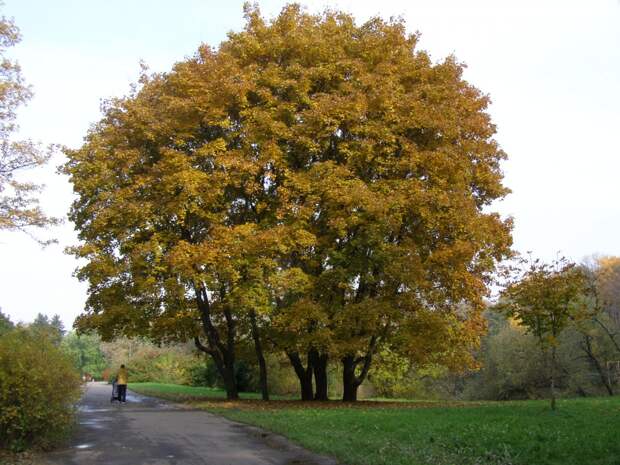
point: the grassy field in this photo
(581, 432)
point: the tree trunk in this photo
(612, 336)
(225, 368)
(587, 348)
(349, 380)
(260, 357)
(223, 354)
(230, 383)
(304, 374)
(553, 377)
(319, 366)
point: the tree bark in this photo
(262, 365)
(319, 366)
(230, 382)
(351, 381)
(304, 374)
(223, 354)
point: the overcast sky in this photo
(552, 69)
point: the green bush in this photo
(38, 390)
(161, 367)
(204, 373)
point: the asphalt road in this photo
(147, 431)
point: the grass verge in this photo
(580, 432)
(178, 393)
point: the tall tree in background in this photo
(85, 351)
(607, 275)
(19, 208)
(57, 325)
(546, 298)
(312, 178)
(52, 328)
(601, 331)
(6, 324)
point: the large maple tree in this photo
(317, 180)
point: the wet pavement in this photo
(152, 432)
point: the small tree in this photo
(38, 390)
(19, 209)
(545, 298)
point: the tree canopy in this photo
(321, 181)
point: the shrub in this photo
(281, 376)
(204, 373)
(38, 390)
(148, 362)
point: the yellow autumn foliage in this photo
(39, 387)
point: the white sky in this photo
(552, 69)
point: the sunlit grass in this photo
(181, 393)
(583, 431)
(580, 432)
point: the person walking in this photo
(121, 383)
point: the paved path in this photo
(147, 431)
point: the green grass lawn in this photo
(180, 393)
(177, 392)
(580, 432)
